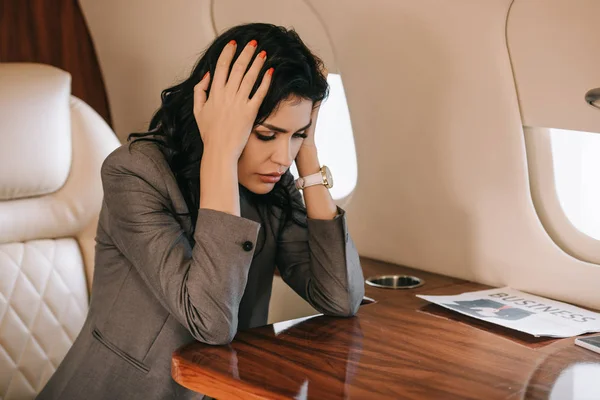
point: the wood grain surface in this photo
(398, 347)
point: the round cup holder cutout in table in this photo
(395, 281)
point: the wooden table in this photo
(399, 347)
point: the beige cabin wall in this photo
(442, 170)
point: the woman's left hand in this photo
(309, 142)
(307, 159)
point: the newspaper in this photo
(522, 311)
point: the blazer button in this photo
(248, 246)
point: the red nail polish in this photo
(270, 71)
(232, 42)
(262, 54)
(253, 43)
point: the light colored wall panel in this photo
(143, 47)
(555, 49)
(443, 180)
(443, 183)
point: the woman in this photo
(197, 213)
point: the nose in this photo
(283, 154)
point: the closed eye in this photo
(266, 138)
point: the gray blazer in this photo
(157, 286)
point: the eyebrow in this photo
(281, 130)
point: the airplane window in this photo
(335, 141)
(577, 177)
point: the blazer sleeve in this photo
(321, 264)
(202, 284)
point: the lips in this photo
(269, 178)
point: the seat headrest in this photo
(35, 129)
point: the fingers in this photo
(316, 108)
(239, 67)
(262, 90)
(223, 63)
(239, 82)
(200, 92)
(252, 74)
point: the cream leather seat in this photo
(51, 148)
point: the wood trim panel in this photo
(54, 32)
(398, 347)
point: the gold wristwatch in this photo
(323, 177)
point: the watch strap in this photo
(314, 179)
(310, 180)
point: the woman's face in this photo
(261, 157)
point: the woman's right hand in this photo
(226, 117)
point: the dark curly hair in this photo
(298, 73)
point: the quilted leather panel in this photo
(43, 305)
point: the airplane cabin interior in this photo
(462, 138)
